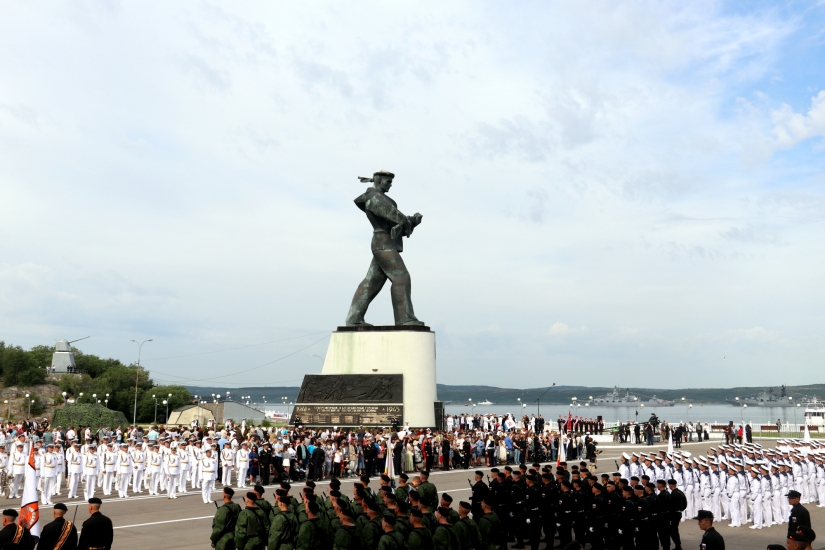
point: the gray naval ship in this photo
(614, 399)
(766, 398)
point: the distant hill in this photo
(556, 394)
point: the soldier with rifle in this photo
(223, 524)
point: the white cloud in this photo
(563, 329)
(791, 127)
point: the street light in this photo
(8, 416)
(688, 412)
(156, 409)
(744, 406)
(137, 378)
(794, 416)
(79, 396)
(165, 402)
(30, 407)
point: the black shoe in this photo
(519, 546)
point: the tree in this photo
(146, 404)
(16, 365)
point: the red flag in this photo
(569, 425)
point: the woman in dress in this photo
(409, 455)
(253, 465)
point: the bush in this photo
(32, 376)
(88, 414)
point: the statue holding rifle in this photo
(389, 227)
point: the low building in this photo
(220, 412)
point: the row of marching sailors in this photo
(161, 467)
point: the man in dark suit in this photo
(61, 534)
(14, 535)
(97, 531)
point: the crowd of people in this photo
(530, 495)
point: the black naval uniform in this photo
(799, 517)
(97, 532)
(663, 521)
(564, 517)
(52, 533)
(265, 462)
(532, 523)
(480, 491)
(628, 523)
(598, 519)
(712, 540)
(8, 534)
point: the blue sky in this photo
(613, 193)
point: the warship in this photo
(765, 398)
(613, 399)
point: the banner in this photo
(30, 509)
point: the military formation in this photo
(641, 506)
(167, 466)
(410, 515)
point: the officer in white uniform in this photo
(173, 471)
(227, 464)
(109, 458)
(755, 497)
(91, 466)
(242, 463)
(125, 467)
(74, 462)
(49, 470)
(18, 469)
(60, 467)
(209, 473)
(732, 491)
(195, 456)
(155, 463)
(138, 467)
(185, 465)
(765, 490)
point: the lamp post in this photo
(79, 397)
(742, 416)
(538, 401)
(137, 378)
(8, 415)
(30, 407)
(155, 397)
(165, 402)
(690, 406)
(64, 394)
(794, 416)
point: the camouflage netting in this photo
(88, 414)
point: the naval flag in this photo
(30, 509)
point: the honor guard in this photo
(97, 531)
(60, 533)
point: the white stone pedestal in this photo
(391, 350)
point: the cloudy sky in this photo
(612, 193)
